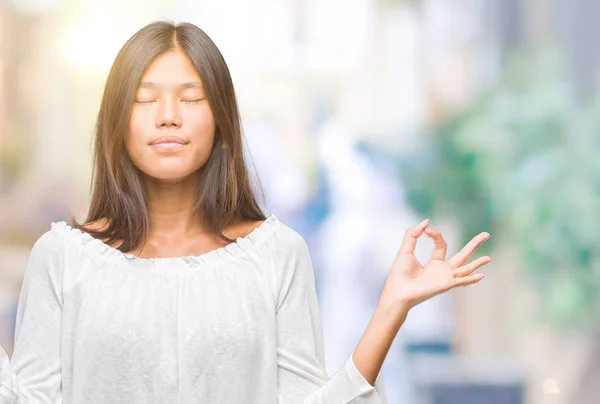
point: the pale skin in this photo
(171, 101)
(410, 283)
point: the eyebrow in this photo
(184, 85)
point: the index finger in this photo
(439, 244)
(409, 241)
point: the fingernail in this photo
(423, 222)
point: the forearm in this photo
(375, 343)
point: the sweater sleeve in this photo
(302, 378)
(33, 375)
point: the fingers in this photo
(468, 280)
(471, 267)
(439, 244)
(463, 275)
(463, 255)
(409, 242)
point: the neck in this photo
(170, 206)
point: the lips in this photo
(168, 140)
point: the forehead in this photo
(173, 66)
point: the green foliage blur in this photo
(523, 161)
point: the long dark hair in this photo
(225, 194)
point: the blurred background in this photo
(362, 118)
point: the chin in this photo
(170, 175)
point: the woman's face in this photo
(172, 129)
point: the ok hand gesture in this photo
(410, 283)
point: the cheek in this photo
(199, 123)
(134, 138)
(138, 130)
(199, 127)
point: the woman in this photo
(178, 288)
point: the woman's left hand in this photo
(410, 283)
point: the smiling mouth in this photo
(168, 140)
(168, 145)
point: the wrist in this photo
(393, 310)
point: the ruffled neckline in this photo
(230, 251)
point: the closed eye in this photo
(192, 101)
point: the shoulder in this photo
(242, 229)
(45, 268)
(52, 241)
(287, 237)
(97, 225)
(49, 250)
(63, 235)
(288, 246)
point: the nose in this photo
(168, 113)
